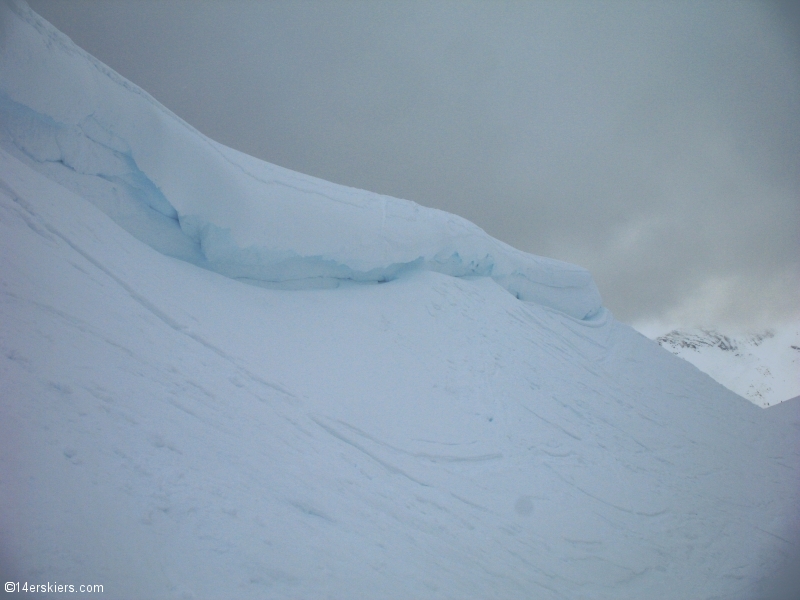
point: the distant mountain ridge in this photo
(762, 367)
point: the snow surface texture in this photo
(762, 367)
(108, 140)
(169, 432)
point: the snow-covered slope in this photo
(167, 431)
(762, 367)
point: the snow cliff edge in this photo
(69, 116)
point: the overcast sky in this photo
(656, 144)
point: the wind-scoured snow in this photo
(169, 432)
(237, 215)
(762, 367)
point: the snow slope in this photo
(170, 432)
(763, 367)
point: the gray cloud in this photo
(657, 144)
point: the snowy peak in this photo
(709, 338)
(763, 367)
(73, 119)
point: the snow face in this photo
(762, 367)
(236, 215)
(169, 432)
